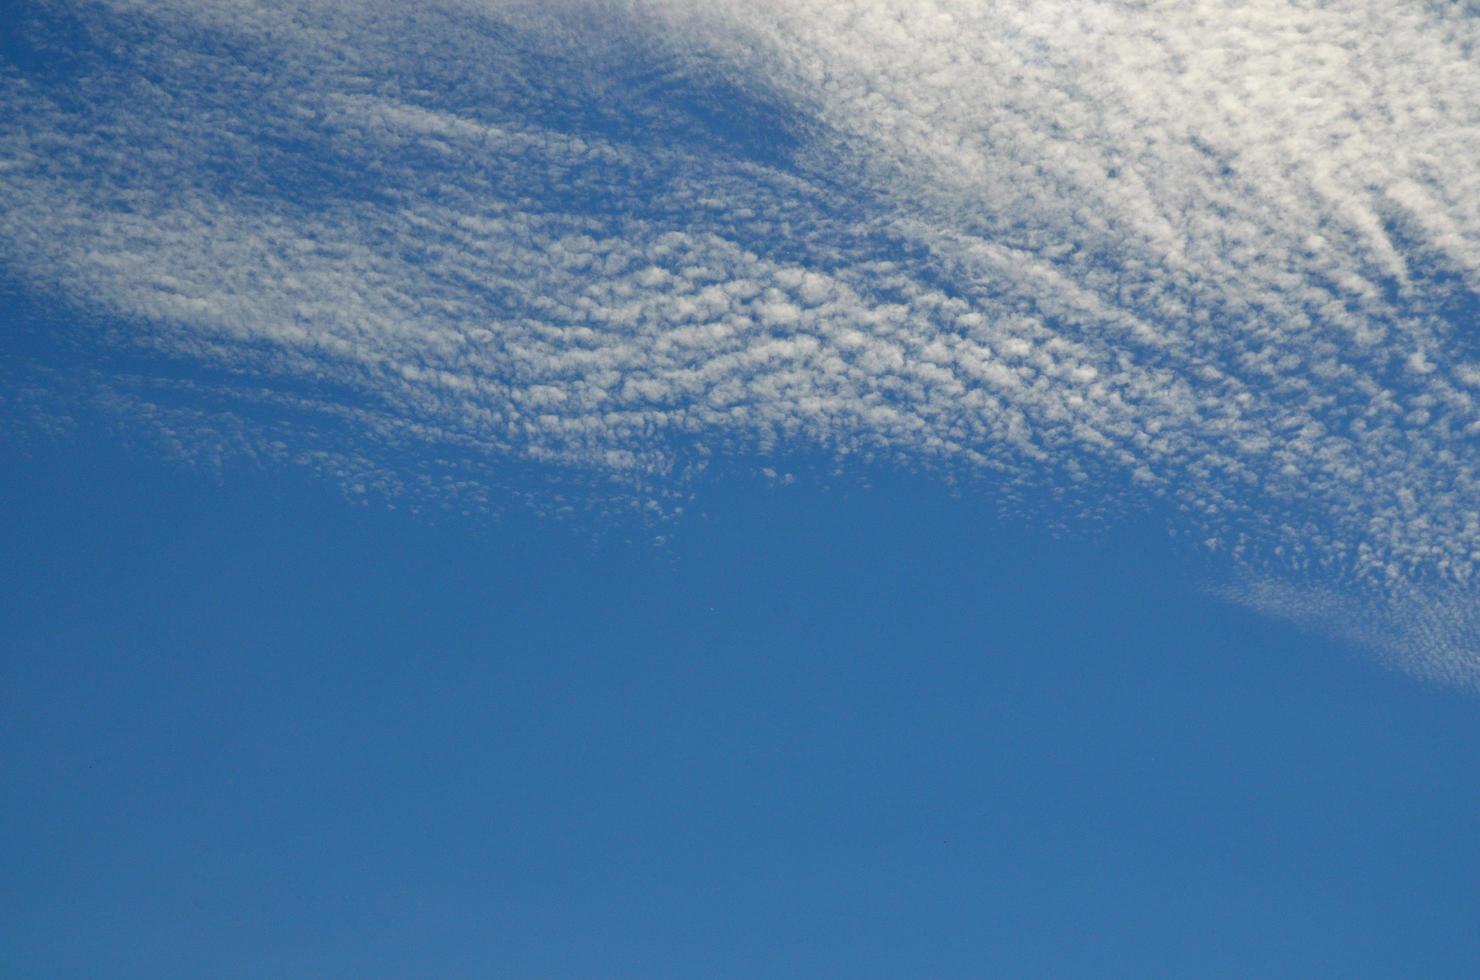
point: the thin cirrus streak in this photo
(1223, 256)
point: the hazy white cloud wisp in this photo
(1227, 256)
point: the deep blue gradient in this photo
(251, 730)
(270, 720)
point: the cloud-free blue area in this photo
(252, 731)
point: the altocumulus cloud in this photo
(1225, 256)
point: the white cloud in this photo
(1224, 255)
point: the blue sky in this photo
(740, 489)
(254, 731)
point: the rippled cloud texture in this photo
(1223, 256)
